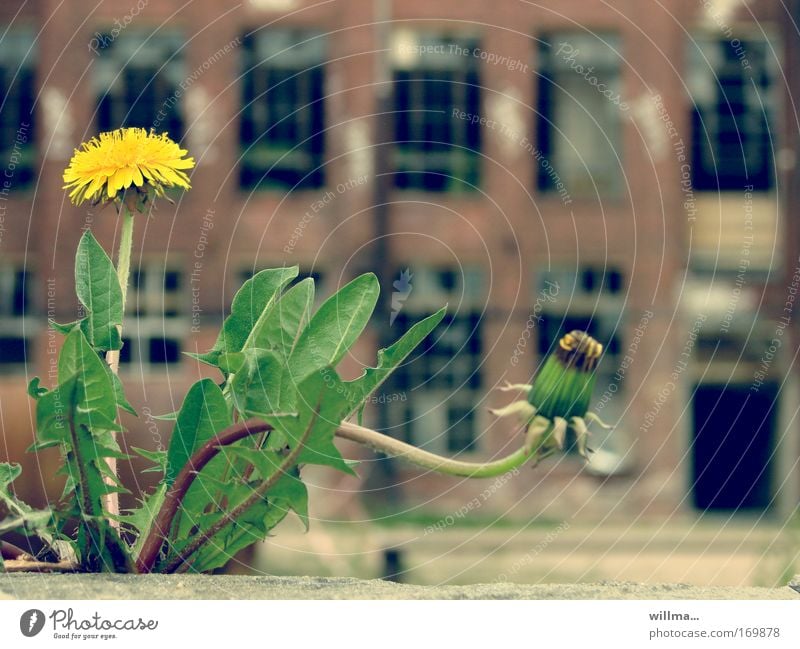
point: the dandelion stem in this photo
(395, 448)
(111, 501)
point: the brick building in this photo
(610, 166)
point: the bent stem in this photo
(395, 448)
(111, 501)
(162, 524)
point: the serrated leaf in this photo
(52, 414)
(250, 301)
(321, 405)
(262, 387)
(97, 396)
(8, 473)
(265, 462)
(203, 414)
(119, 392)
(16, 515)
(29, 522)
(98, 289)
(254, 525)
(140, 519)
(64, 328)
(158, 458)
(334, 327)
(170, 416)
(389, 359)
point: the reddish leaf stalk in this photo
(172, 501)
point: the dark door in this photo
(732, 446)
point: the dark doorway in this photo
(732, 446)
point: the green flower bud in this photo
(563, 388)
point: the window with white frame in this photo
(731, 83)
(434, 393)
(17, 97)
(282, 125)
(436, 112)
(16, 327)
(137, 79)
(155, 323)
(579, 114)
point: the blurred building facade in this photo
(616, 168)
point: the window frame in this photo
(456, 162)
(25, 325)
(141, 327)
(254, 141)
(547, 126)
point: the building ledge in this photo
(92, 587)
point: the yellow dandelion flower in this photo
(126, 157)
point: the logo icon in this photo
(402, 287)
(31, 622)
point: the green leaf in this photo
(158, 458)
(79, 415)
(8, 473)
(140, 519)
(99, 545)
(16, 515)
(285, 321)
(389, 359)
(334, 327)
(28, 522)
(98, 289)
(262, 386)
(64, 328)
(119, 392)
(97, 398)
(52, 415)
(203, 414)
(35, 389)
(250, 301)
(321, 405)
(289, 493)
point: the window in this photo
(15, 329)
(589, 299)
(154, 325)
(283, 120)
(17, 95)
(579, 111)
(436, 94)
(137, 81)
(434, 393)
(733, 106)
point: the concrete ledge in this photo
(71, 586)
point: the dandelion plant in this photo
(239, 442)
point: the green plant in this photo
(232, 470)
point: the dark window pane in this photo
(136, 78)
(282, 121)
(13, 350)
(164, 350)
(732, 112)
(17, 117)
(434, 149)
(578, 126)
(461, 433)
(125, 352)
